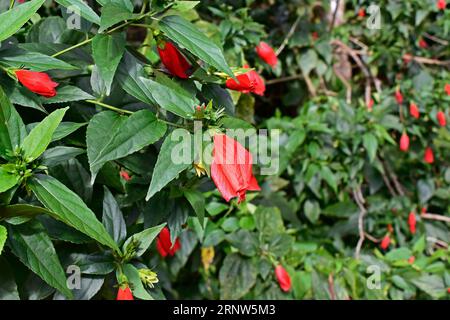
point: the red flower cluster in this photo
(247, 82)
(164, 245)
(267, 54)
(37, 82)
(173, 60)
(231, 168)
(124, 294)
(283, 278)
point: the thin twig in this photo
(331, 287)
(438, 242)
(288, 36)
(357, 195)
(434, 216)
(436, 39)
(333, 20)
(394, 178)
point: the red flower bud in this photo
(370, 104)
(411, 259)
(389, 226)
(441, 4)
(283, 278)
(447, 88)
(37, 82)
(398, 96)
(423, 210)
(441, 118)
(164, 245)
(315, 35)
(412, 222)
(231, 168)
(404, 142)
(125, 175)
(173, 60)
(407, 58)
(385, 242)
(414, 110)
(428, 156)
(362, 13)
(422, 43)
(267, 54)
(124, 294)
(247, 82)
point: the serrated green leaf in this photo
(67, 94)
(12, 20)
(133, 278)
(237, 276)
(112, 217)
(67, 207)
(40, 137)
(113, 13)
(79, 6)
(33, 247)
(144, 238)
(197, 201)
(111, 136)
(35, 61)
(188, 36)
(7, 180)
(370, 143)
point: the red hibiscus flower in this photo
(164, 245)
(231, 168)
(247, 82)
(414, 110)
(441, 4)
(428, 156)
(385, 242)
(173, 60)
(267, 54)
(124, 293)
(412, 222)
(440, 116)
(37, 82)
(283, 278)
(404, 142)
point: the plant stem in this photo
(72, 47)
(107, 106)
(11, 4)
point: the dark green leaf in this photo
(81, 7)
(113, 218)
(237, 276)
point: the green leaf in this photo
(21, 210)
(185, 5)
(40, 137)
(170, 163)
(33, 247)
(35, 61)
(111, 136)
(84, 10)
(54, 156)
(197, 201)
(133, 278)
(370, 144)
(170, 99)
(107, 51)
(188, 36)
(124, 3)
(7, 180)
(311, 209)
(113, 13)
(67, 94)
(8, 289)
(113, 218)
(329, 177)
(3, 236)
(64, 129)
(431, 284)
(12, 128)
(237, 276)
(67, 207)
(398, 254)
(12, 20)
(144, 239)
(245, 241)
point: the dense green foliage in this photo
(342, 186)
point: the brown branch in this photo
(434, 216)
(331, 287)
(359, 199)
(394, 178)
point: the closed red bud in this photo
(231, 168)
(424, 210)
(173, 60)
(441, 4)
(428, 156)
(247, 82)
(370, 104)
(404, 142)
(411, 259)
(414, 110)
(125, 175)
(315, 35)
(283, 278)
(398, 96)
(267, 54)
(441, 118)
(447, 88)
(362, 13)
(124, 294)
(422, 43)
(389, 226)
(412, 222)
(164, 244)
(407, 57)
(37, 82)
(385, 242)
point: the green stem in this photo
(72, 47)
(172, 124)
(107, 106)
(11, 4)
